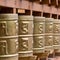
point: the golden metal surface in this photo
(8, 37)
(38, 35)
(25, 36)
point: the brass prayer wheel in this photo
(8, 37)
(25, 39)
(56, 32)
(49, 35)
(38, 35)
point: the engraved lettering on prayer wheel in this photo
(56, 28)
(25, 25)
(48, 42)
(25, 46)
(8, 24)
(8, 45)
(25, 36)
(56, 41)
(48, 25)
(39, 38)
(8, 37)
(38, 43)
(39, 25)
(49, 34)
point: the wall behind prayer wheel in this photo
(25, 36)
(8, 37)
(39, 31)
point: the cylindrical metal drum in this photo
(25, 36)
(56, 32)
(8, 37)
(49, 35)
(38, 35)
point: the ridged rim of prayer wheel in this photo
(8, 17)
(25, 17)
(38, 18)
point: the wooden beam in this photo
(27, 6)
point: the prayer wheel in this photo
(38, 35)
(8, 37)
(56, 39)
(25, 39)
(49, 34)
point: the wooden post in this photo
(49, 1)
(57, 14)
(14, 10)
(57, 2)
(42, 12)
(31, 8)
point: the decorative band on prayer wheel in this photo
(9, 57)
